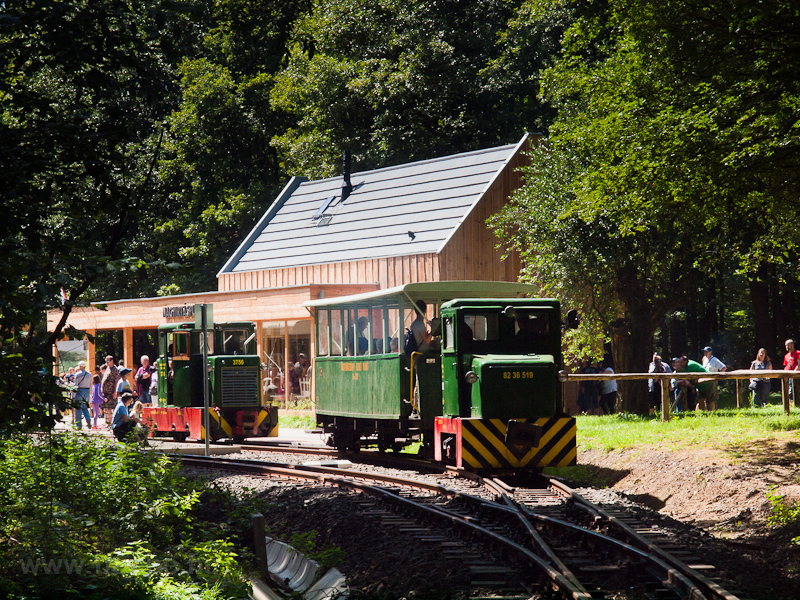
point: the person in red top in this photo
(791, 362)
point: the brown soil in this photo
(723, 495)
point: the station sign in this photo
(179, 312)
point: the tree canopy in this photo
(663, 167)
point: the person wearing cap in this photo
(122, 385)
(122, 424)
(109, 383)
(83, 386)
(713, 365)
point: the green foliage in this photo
(82, 516)
(659, 146)
(296, 421)
(399, 81)
(783, 513)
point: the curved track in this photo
(548, 536)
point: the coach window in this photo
(394, 332)
(379, 344)
(323, 332)
(336, 332)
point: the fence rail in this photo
(664, 378)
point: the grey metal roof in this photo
(430, 198)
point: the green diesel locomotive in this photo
(481, 392)
(234, 384)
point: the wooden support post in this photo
(785, 394)
(259, 541)
(664, 400)
(738, 394)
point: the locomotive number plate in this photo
(238, 362)
(517, 374)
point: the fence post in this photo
(259, 541)
(664, 400)
(785, 394)
(738, 395)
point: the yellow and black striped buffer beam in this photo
(483, 444)
(218, 425)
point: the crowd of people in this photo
(599, 397)
(109, 395)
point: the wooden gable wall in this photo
(470, 253)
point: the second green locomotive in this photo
(234, 379)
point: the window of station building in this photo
(323, 331)
(299, 339)
(273, 349)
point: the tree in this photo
(399, 81)
(85, 89)
(218, 170)
(655, 174)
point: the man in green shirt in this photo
(707, 393)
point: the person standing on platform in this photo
(109, 382)
(83, 386)
(143, 377)
(791, 362)
(713, 365)
(97, 399)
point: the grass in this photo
(723, 429)
(296, 421)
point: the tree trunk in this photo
(759, 297)
(631, 347)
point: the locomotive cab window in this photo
(483, 327)
(233, 341)
(179, 341)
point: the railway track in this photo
(518, 541)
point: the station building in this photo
(360, 232)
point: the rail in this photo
(664, 378)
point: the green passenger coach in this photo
(482, 393)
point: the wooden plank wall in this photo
(386, 272)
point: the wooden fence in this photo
(665, 378)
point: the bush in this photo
(85, 517)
